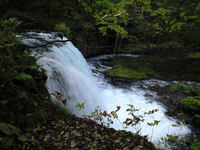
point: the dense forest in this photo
(165, 33)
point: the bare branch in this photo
(120, 13)
(106, 15)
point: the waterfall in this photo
(69, 74)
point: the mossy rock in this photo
(191, 105)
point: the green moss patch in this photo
(189, 106)
(187, 89)
(195, 55)
(192, 105)
(131, 68)
(120, 71)
(160, 67)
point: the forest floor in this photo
(75, 133)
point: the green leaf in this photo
(5, 129)
(156, 122)
(23, 76)
(172, 138)
(22, 138)
(80, 106)
(9, 129)
(14, 130)
(114, 114)
(62, 132)
(174, 125)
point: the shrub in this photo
(9, 135)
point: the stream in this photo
(81, 81)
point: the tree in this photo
(109, 16)
(165, 25)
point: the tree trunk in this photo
(119, 46)
(116, 43)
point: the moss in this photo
(161, 67)
(191, 105)
(23, 76)
(195, 55)
(131, 68)
(120, 71)
(33, 67)
(187, 89)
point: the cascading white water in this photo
(136, 96)
(68, 73)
